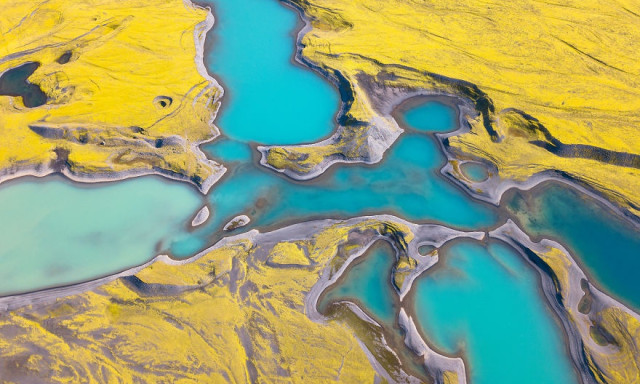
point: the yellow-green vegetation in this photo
(404, 267)
(106, 89)
(621, 333)
(450, 377)
(236, 313)
(555, 85)
(289, 254)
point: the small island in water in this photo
(288, 191)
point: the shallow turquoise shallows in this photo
(268, 100)
(606, 245)
(369, 281)
(432, 116)
(55, 232)
(485, 303)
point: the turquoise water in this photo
(267, 100)
(406, 183)
(432, 116)
(55, 232)
(482, 302)
(369, 282)
(230, 152)
(485, 302)
(474, 171)
(607, 247)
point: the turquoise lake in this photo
(432, 116)
(267, 100)
(485, 303)
(474, 171)
(369, 280)
(482, 301)
(56, 232)
(471, 303)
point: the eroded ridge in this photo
(242, 311)
(604, 335)
(103, 90)
(549, 97)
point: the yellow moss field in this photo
(126, 90)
